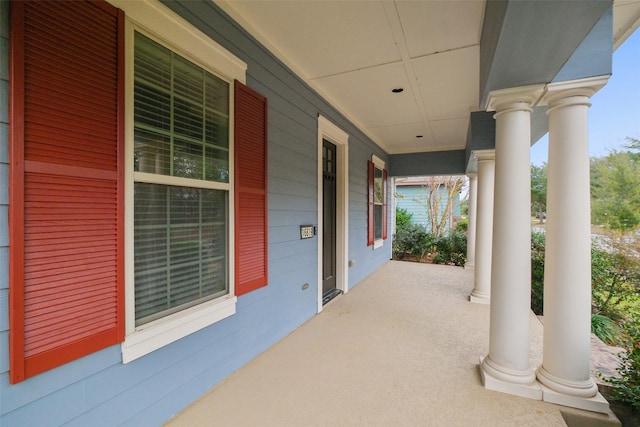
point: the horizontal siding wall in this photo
(99, 390)
(414, 199)
(4, 196)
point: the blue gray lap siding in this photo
(98, 389)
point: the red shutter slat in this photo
(384, 204)
(66, 208)
(370, 203)
(250, 189)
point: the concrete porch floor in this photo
(400, 349)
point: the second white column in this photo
(506, 368)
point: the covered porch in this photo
(401, 348)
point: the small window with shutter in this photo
(377, 202)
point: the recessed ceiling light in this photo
(397, 90)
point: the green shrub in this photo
(462, 225)
(412, 240)
(626, 386)
(537, 271)
(615, 275)
(451, 249)
(403, 219)
(605, 329)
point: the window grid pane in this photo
(181, 129)
(178, 101)
(180, 248)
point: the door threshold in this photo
(330, 295)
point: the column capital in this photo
(472, 175)
(580, 89)
(514, 99)
(480, 155)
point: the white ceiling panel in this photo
(367, 95)
(324, 37)
(355, 52)
(450, 134)
(449, 82)
(439, 26)
(404, 137)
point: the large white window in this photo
(181, 130)
(179, 232)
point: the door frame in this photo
(332, 133)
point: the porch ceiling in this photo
(355, 52)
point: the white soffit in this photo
(324, 37)
(355, 52)
(450, 134)
(367, 95)
(404, 137)
(626, 19)
(449, 82)
(438, 26)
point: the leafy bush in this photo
(412, 240)
(626, 386)
(537, 271)
(451, 249)
(403, 219)
(606, 329)
(462, 225)
(615, 276)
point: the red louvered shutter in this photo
(370, 203)
(250, 189)
(384, 204)
(66, 192)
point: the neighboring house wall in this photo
(414, 199)
(99, 389)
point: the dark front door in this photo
(328, 220)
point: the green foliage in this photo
(626, 386)
(403, 218)
(451, 249)
(538, 190)
(464, 207)
(412, 241)
(537, 271)
(462, 225)
(605, 329)
(615, 191)
(615, 278)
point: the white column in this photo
(567, 276)
(506, 368)
(481, 292)
(471, 224)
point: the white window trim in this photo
(378, 163)
(156, 20)
(184, 38)
(332, 133)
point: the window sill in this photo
(150, 337)
(378, 244)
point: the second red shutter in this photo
(250, 147)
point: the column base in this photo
(576, 394)
(479, 298)
(521, 384)
(596, 403)
(469, 266)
